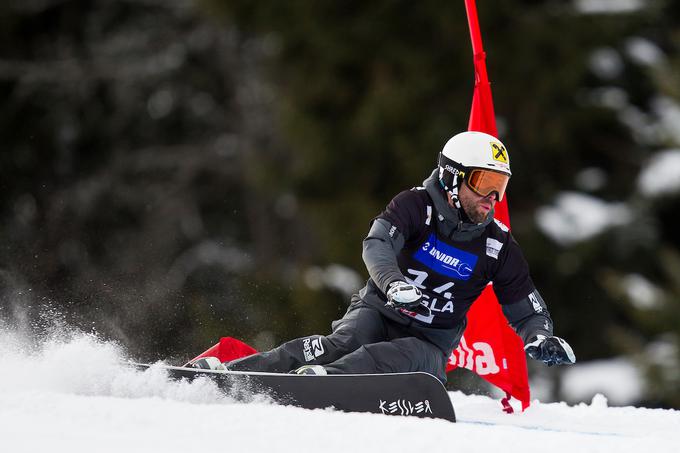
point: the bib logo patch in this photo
(446, 259)
(493, 247)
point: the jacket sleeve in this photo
(394, 227)
(522, 304)
(529, 317)
(380, 254)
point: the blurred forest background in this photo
(173, 171)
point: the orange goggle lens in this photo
(484, 182)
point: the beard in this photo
(472, 211)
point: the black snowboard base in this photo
(406, 394)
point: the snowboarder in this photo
(429, 256)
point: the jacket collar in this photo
(450, 221)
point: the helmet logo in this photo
(453, 170)
(499, 152)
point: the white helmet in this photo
(479, 159)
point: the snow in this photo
(663, 353)
(335, 277)
(644, 52)
(72, 393)
(643, 294)
(645, 128)
(608, 6)
(577, 217)
(591, 179)
(609, 97)
(661, 175)
(606, 63)
(595, 377)
(667, 111)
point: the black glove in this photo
(550, 350)
(403, 295)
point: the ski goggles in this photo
(485, 182)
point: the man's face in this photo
(475, 206)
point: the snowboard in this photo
(403, 394)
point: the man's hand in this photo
(403, 295)
(550, 350)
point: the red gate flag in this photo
(490, 347)
(225, 350)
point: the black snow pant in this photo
(363, 341)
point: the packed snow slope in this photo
(74, 395)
